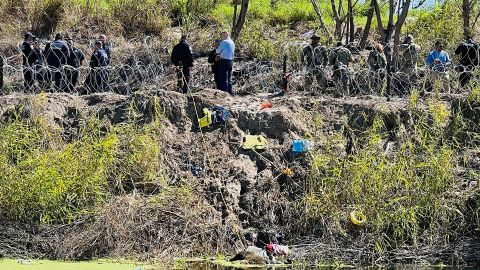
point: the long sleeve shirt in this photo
(442, 56)
(182, 52)
(226, 49)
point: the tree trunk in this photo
(391, 11)
(347, 31)
(378, 14)
(351, 21)
(320, 17)
(338, 20)
(401, 20)
(241, 20)
(235, 9)
(368, 24)
(466, 10)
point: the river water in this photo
(13, 264)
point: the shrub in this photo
(292, 12)
(47, 16)
(47, 179)
(404, 195)
(139, 17)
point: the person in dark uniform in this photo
(182, 58)
(41, 73)
(57, 53)
(75, 61)
(213, 58)
(106, 45)
(29, 59)
(96, 80)
(469, 59)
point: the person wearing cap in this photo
(182, 58)
(29, 58)
(226, 50)
(57, 53)
(75, 61)
(438, 61)
(96, 80)
(468, 52)
(213, 58)
(339, 58)
(315, 57)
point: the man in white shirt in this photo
(226, 51)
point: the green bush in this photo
(292, 12)
(404, 194)
(47, 179)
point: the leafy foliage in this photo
(48, 179)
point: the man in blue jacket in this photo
(438, 62)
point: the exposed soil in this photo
(244, 196)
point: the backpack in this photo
(219, 114)
(214, 114)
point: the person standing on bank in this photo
(29, 59)
(75, 61)
(226, 51)
(57, 53)
(106, 45)
(182, 58)
(96, 79)
(213, 60)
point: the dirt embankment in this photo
(244, 196)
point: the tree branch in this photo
(320, 17)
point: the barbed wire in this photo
(138, 63)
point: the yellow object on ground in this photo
(358, 218)
(255, 142)
(288, 172)
(206, 120)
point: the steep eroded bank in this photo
(206, 195)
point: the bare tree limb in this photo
(320, 17)
(419, 4)
(476, 19)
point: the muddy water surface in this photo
(13, 264)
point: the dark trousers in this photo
(216, 77)
(28, 77)
(96, 80)
(42, 75)
(225, 75)
(71, 79)
(56, 73)
(183, 78)
(466, 75)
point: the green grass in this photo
(48, 179)
(404, 195)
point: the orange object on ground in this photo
(266, 105)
